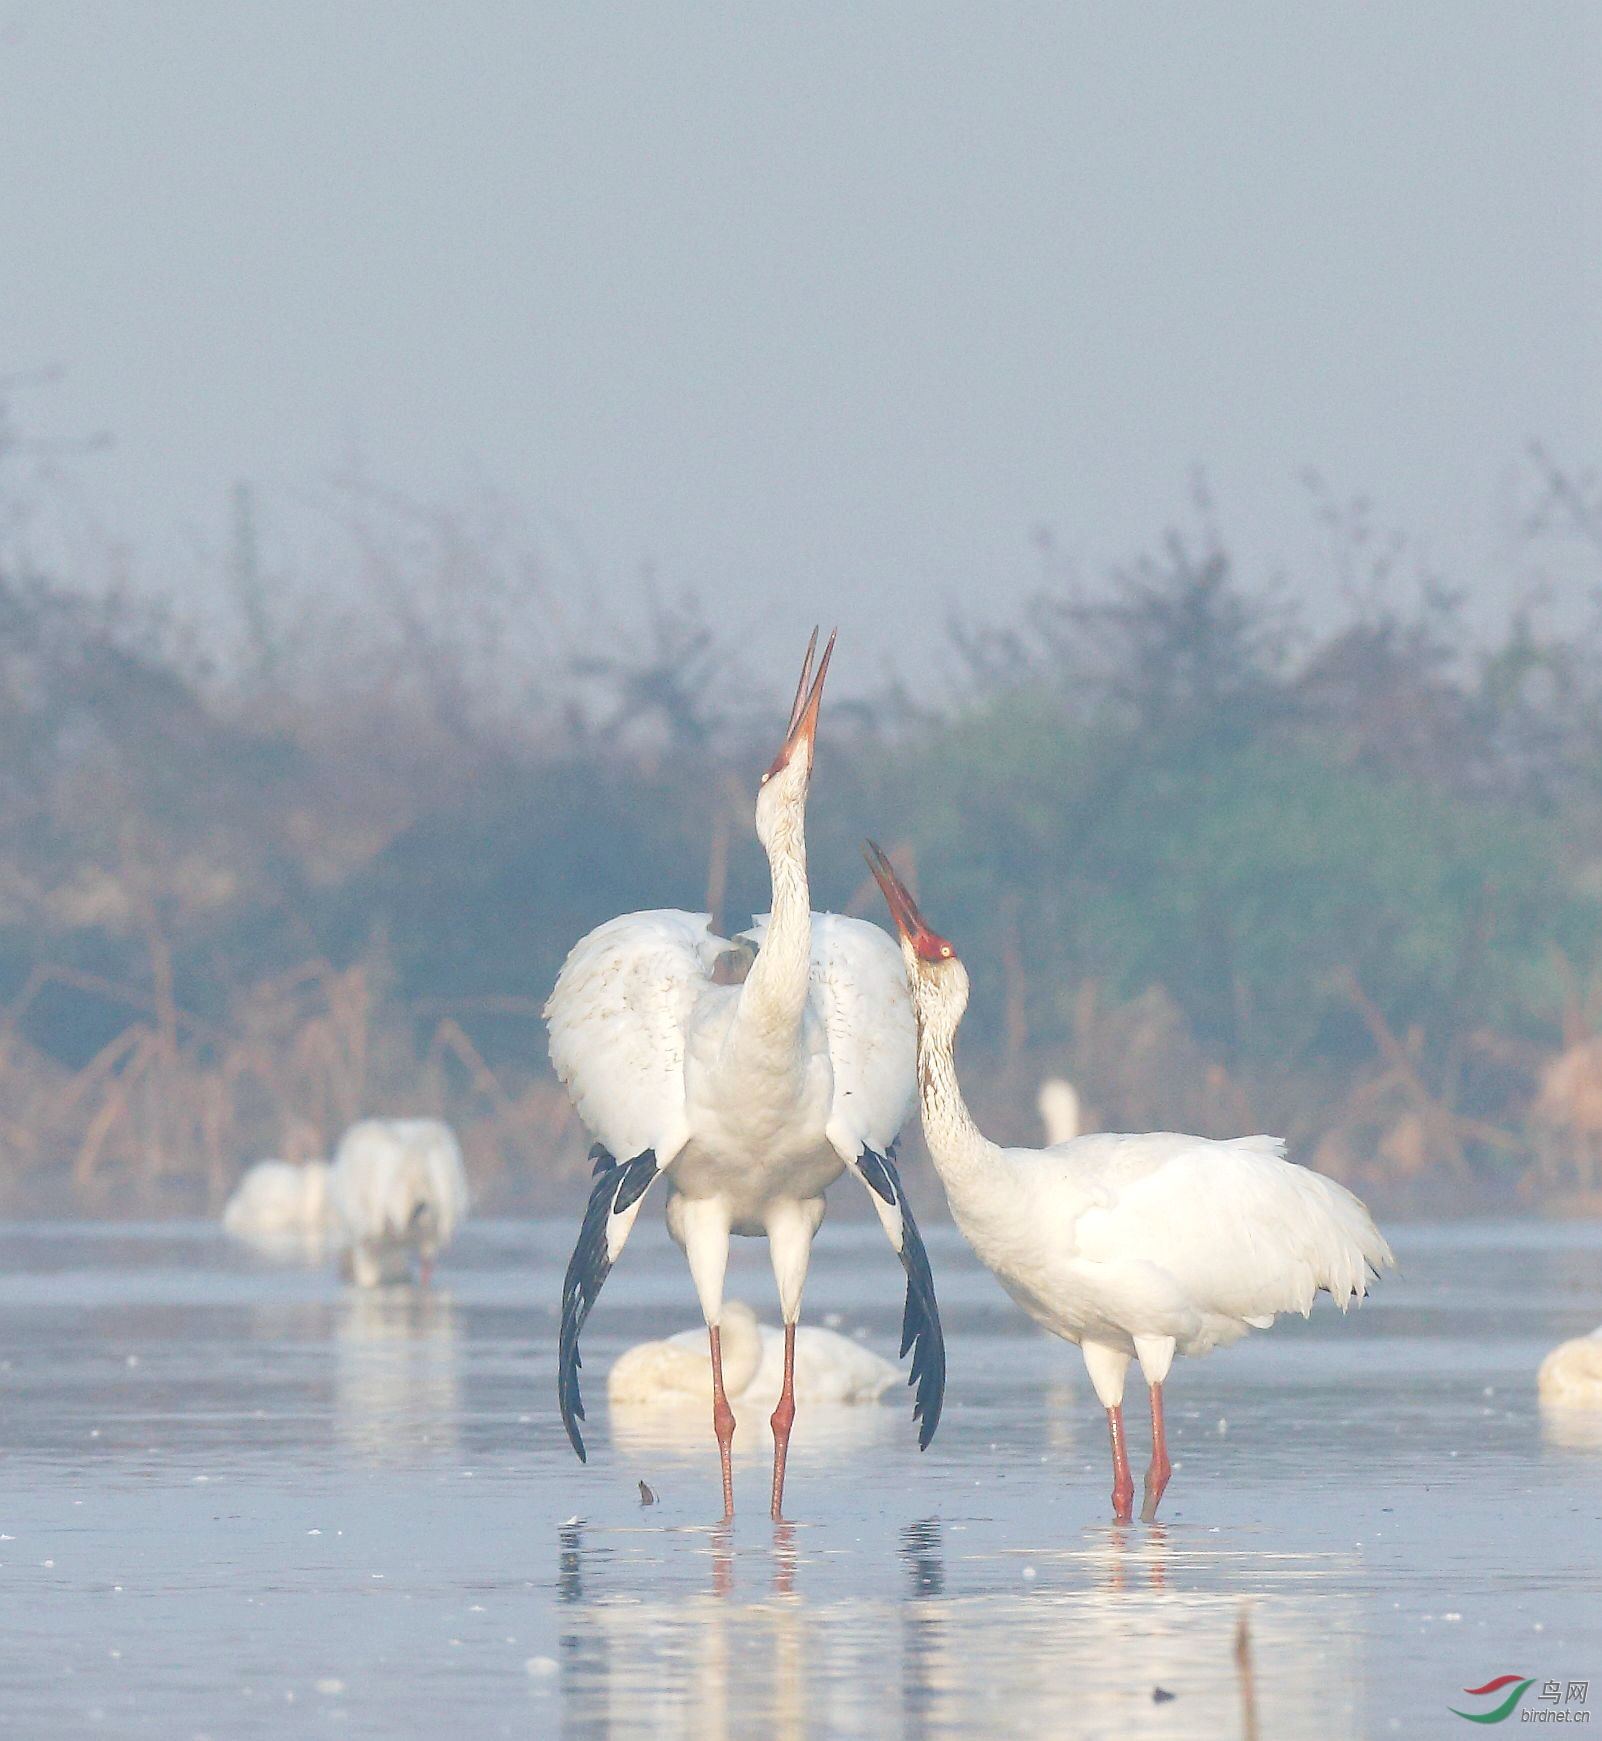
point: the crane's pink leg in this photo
(1157, 1475)
(722, 1423)
(1123, 1493)
(782, 1420)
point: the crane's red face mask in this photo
(803, 727)
(929, 945)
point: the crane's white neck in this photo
(773, 999)
(960, 1151)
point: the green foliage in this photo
(1247, 878)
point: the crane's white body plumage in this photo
(1571, 1375)
(280, 1203)
(751, 1133)
(619, 1025)
(399, 1190)
(830, 1369)
(1156, 1244)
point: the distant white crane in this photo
(1131, 1246)
(399, 1189)
(751, 1097)
(829, 1368)
(1060, 1115)
(279, 1203)
(1571, 1375)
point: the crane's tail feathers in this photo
(920, 1320)
(614, 1203)
(1351, 1251)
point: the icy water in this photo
(239, 1499)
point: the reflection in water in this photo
(920, 1549)
(1571, 1429)
(397, 1386)
(1078, 1647)
(570, 1567)
(584, 1660)
(702, 1666)
(313, 1249)
(1063, 1408)
(922, 1645)
(784, 1559)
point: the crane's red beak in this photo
(803, 726)
(904, 910)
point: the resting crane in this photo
(1572, 1373)
(280, 1203)
(829, 1369)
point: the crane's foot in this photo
(1155, 1483)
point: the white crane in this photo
(1059, 1108)
(829, 1368)
(751, 1097)
(1132, 1246)
(1571, 1375)
(398, 1188)
(278, 1203)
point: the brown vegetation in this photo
(166, 1114)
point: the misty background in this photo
(429, 436)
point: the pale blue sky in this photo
(837, 301)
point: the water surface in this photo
(238, 1498)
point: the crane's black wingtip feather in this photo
(567, 1382)
(617, 1186)
(926, 1432)
(920, 1321)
